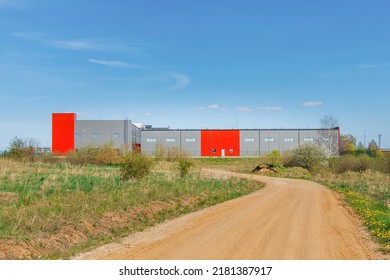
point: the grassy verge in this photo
(56, 210)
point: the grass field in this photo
(53, 211)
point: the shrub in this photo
(21, 150)
(309, 156)
(105, 154)
(274, 159)
(183, 167)
(135, 166)
(350, 163)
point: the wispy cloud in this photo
(212, 107)
(77, 45)
(245, 109)
(269, 108)
(312, 104)
(114, 63)
(180, 80)
(260, 108)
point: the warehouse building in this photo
(70, 134)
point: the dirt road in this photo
(289, 219)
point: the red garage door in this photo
(220, 143)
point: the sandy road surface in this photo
(289, 219)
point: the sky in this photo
(195, 64)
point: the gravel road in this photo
(287, 220)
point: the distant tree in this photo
(372, 148)
(347, 144)
(360, 149)
(22, 150)
(328, 137)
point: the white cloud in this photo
(213, 107)
(269, 108)
(312, 104)
(76, 45)
(180, 80)
(245, 109)
(114, 63)
(201, 108)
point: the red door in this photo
(216, 143)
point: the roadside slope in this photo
(289, 219)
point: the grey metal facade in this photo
(253, 142)
(120, 133)
(186, 140)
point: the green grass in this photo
(55, 210)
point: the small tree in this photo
(328, 137)
(274, 159)
(22, 150)
(183, 167)
(135, 166)
(372, 148)
(309, 156)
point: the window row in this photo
(169, 140)
(97, 135)
(286, 139)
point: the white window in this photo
(190, 140)
(116, 135)
(151, 140)
(77, 135)
(289, 139)
(250, 139)
(170, 140)
(231, 151)
(95, 135)
(308, 139)
(269, 139)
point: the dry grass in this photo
(55, 210)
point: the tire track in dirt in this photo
(288, 220)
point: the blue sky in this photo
(195, 64)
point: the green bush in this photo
(309, 156)
(135, 166)
(274, 159)
(183, 167)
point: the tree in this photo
(328, 136)
(347, 144)
(372, 148)
(309, 156)
(22, 150)
(360, 149)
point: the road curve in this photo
(288, 220)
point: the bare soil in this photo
(287, 220)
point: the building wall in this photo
(63, 132)
(120, 133)
(186, 140)
(246, 143)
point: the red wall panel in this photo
(214, 141)
(63, 132)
